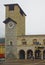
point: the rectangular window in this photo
(37, 43)
(24, 43)
(11, 7)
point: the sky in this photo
(35, 19)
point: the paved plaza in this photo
(23, 62)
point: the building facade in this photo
(2, 48)
(17, 44)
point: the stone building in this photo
(2, 48)
(17, 44)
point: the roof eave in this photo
(8, 20)
(15, 4)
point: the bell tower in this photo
(14, 26)
(15, 12)
(10, 38)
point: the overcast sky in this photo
(35, 19)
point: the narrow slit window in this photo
(11, 43)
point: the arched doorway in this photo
(37, 54)
(44, 54)
(21, 54)
(29, 54)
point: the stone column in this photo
(42, 55)
(25, 55)
(34, 54)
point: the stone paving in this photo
(23, 62)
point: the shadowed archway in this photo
(29, 54)
(37, 54)
(21, 54)
(44, 54)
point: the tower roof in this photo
(8, 20)
(18, 6)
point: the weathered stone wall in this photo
(30, 45)
(16, 16)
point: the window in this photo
(11, 43)
(34, 41)
(24, 42)
(11, 7)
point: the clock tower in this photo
(15, 12)
(14, 26)
(10, 38)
